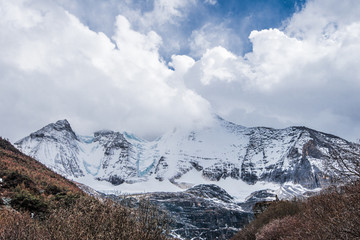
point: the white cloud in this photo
(54, 67)
(181, 63)
(165, 18)
(212, 35)
(162, 13)
(173, 20)
(306, 74)
(217, 64)
(211, 2)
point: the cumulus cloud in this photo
(54, 67)
(213, 35)
(303, 74)
(211, 2)
(165, 17)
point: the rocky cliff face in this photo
(201, 212)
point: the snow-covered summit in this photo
(60, 129)
(55, 145)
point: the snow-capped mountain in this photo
(229, 155)
(207, 179)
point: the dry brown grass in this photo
(12, 161)
(276, 210)
(333, 214)
(87, 219)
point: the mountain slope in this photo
(60, 151)
(224, 154)
(22, 177)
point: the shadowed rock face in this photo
(61, 127)
(201, 212)
(211, 191)
(257, 196)
(201, 217)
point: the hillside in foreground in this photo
(36, 203)
(332, 214)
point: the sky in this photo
(149, 66)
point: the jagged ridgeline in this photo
(37, 203)
(225, 151)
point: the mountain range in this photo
(224, 152)
(202, 166)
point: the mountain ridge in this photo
(224, 151)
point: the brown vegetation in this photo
(87, 219)
(275, 211)
(333, 214)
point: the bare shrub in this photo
(344, 165)
(276, 210)
(91, 219)
(152, 222)
(279, 229)
(87, 219)
(15, 226)
(247, 233)
(333, 214)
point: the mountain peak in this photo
(62, 125)
(57, 130)
(64, 122)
